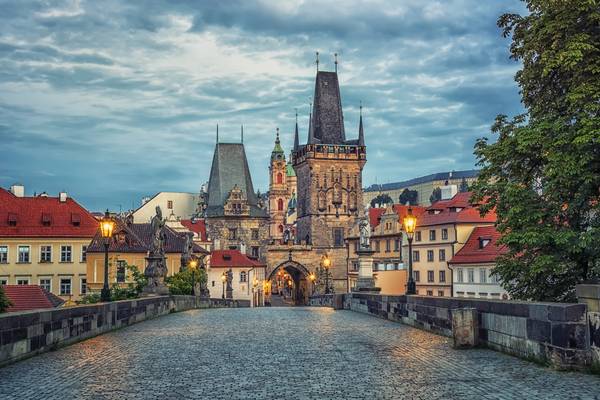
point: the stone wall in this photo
(552, 333)
(23, 334)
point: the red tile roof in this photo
(30, 297)
(400, 209)
(471, 252)
(30, 212)
(197, 226)
(231, 259)
(455, 210)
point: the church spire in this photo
(361, 133)
(277, 150)
(242, 134)
(217, 133)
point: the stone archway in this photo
(289, 281)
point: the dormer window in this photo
(12, 219)
(227, 257)
(484, 242)
(46, 219)
(76, 219)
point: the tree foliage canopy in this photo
(408, 197)
(542, 175)
(5, 302)
(382, 200)
(436, 195)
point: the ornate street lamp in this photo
(312, 278)
(326, 264)
(410, 223)
(223, 279)
(193, 265)
(107, 225)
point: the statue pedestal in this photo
(365, 282)
(156, 271)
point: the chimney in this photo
(62, 197)
(18, 190)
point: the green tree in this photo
(382, 200)
(464, 186)
(5, 302)
(181, 282)
(408, 197)
(436, 195)
(131, 290)
(542, 175)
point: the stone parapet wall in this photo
(23, 334)
(553, 333)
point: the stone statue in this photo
(286, 236)
(365, 232)
(156, 270)
(229, 280)
(187, 253)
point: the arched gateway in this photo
(289, 283)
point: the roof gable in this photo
(30, 297)
(474, 252)
(232, 258)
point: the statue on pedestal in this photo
(365, 233)
(156, 269)
(229, 280)
(188, 252)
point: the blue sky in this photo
(115, 100)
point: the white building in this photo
(248, 276)
(181, 204)
(472, 265)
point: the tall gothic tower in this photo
(329, 170)
(278, 192)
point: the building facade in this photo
(44, 241)
(424, 186)
(234, 217)
(472, 266)
(442, 230)
(180, 204)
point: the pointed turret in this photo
(327, 121)
(296, 138)
(361, 133)
(277, 149)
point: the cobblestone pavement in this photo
(289, 353)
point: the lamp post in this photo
(106, 229)
(223, 279)
(312, 277)
(193, 264)
(326, 264)
(255, 291)
(410, 223)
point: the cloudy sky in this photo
(114, 100)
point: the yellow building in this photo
(129, 245)
(44, 241)
(423, 185)
(442, 230)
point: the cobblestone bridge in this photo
(291, 353)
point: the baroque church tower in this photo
(329, 170)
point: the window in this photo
(3, 254)
(429, 255)
(46, 284)
(440, 293)
(396, 244)
(377, 248)
(432, 235)
(471, 275)
(445, 234)
(65, 286)
(338, 237)
(354, 265)
(417, 276)
(23, 281)
(430, 276)
(233, 233)
(418, 236)
(482, 275)
(3, 282)
(255, 234)
(23, 254)
(442, 276)
(170, 204)
(388, 246)
(83, 253)
(65, 253)
(279, 179)
(416, 255)
(254, 251)
(494, 278)
(482, 294)
(83, 286)
(430, 293)
(442, 255)
(213, 284)
(121, 268)
(356, 246)
(243, 276)
(45, 254)
(459, 275)
(280, 228)
(280, 205)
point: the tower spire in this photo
(296, 139)
(242, 134)
(217, 133)
(317, 62)
(277, 137)
(311, 136)
(336, 61)
(361, 133)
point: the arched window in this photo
(280, 205)
(279, 179)
(280, 228)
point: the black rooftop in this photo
(327, 118)
(440, 176)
